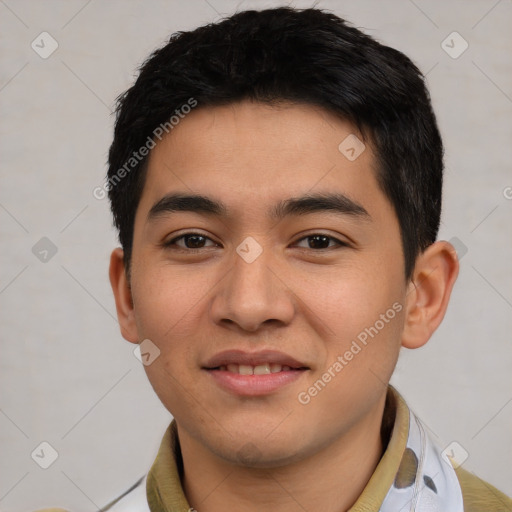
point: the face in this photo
(278, 318)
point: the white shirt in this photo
(135, 499)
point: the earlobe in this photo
(429, 292)
(123, 297)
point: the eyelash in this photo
(171, 243)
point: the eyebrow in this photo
(295, 206)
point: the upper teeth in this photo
(260, 369)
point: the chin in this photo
(261, 456)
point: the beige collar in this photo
(165, 492)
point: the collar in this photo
(165, 492)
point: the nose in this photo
(253, 294)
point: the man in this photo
(276, 182)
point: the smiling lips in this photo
(253, 374)
(261, 369)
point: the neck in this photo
(331, 480)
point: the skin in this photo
(308, 302)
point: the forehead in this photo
(285, 131)
(253, 153)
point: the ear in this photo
(429, 292)
(123, 296)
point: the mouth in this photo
(253, 374)
(260, 369)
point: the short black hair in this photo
(307, 56)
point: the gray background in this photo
(67, 376)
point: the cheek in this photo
(350, 298)
(363, 351)
(171, 309)
(166, 303)
(363, 309)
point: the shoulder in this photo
(132, 499)
(479, 495)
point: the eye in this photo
(191, 241)
(197, 241)
(321, 241)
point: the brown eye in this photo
(321, 241)
(190, 241)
